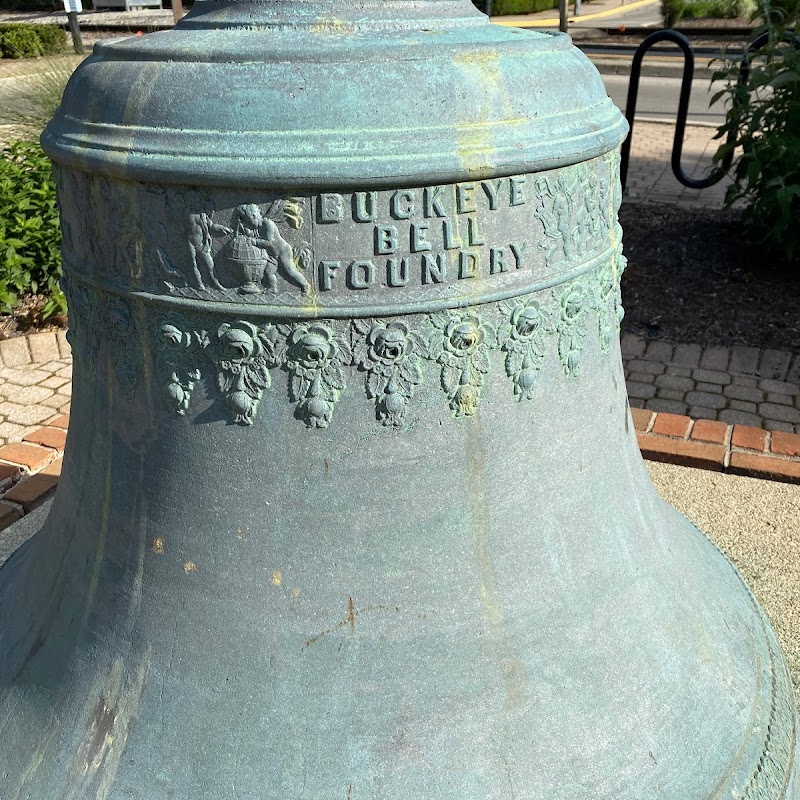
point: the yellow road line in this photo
(547, 23)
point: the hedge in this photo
(501, 7)
(29, 41)
(30, 236)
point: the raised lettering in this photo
(402, 204)
(397, 272)
(364, 206)
(465, 198)
(327, 269)
(385, 240)
(360, 274)
(468, 264)
(497, 260)
(330, 208)
(432, 201)
(473, 235)
(419, 237)
(452, 239)
(493, 193)
(517, 185)
(519, 251)
(434, 270)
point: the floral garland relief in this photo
(390, 352)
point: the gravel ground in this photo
(757, 525)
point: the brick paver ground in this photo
(650, 178)
(736, 385)
(32, 395)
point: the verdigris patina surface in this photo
(352, 505)
(419, 282)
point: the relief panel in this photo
(385, 251)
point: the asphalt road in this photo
(658, 98)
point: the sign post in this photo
(73, 8)
(562, 15)
(177, 9)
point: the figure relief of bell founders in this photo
(200, 232)
(257, 252)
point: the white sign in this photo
(73, 5)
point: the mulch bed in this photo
(27, 318)
(693, 277)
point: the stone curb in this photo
(650, 69)
(34, 348)
(29, 470)
(714, 445)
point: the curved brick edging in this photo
(714, 445)
(29, 470)
(34, 348)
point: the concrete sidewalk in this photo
(590, 11)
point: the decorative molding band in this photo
(420, 306)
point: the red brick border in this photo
(29, 470)
(738, 449)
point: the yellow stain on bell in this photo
(157, 546)
(295, 593)
(189, 566)
(277, 577)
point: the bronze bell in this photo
(352, 505)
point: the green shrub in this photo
(764, 118)
(30, 236)
(53, 39)
(21, 43)
(718, 9)
(29, 41)
(503, 7)
(782, 13)
(32, 5)
(674, 10)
